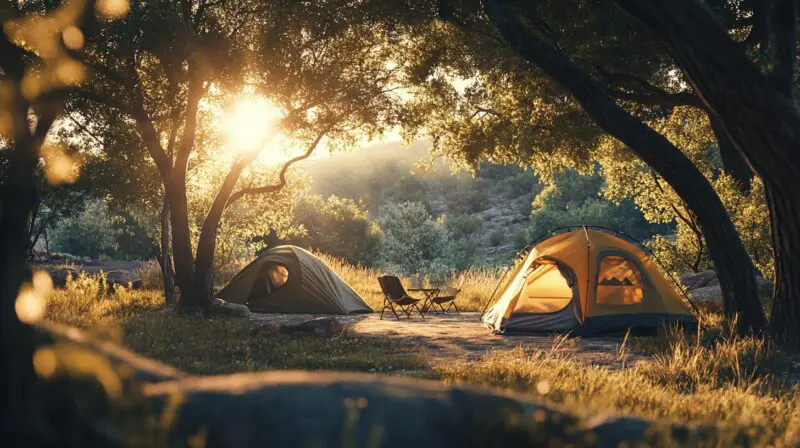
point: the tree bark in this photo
(734, 267)
(733, 163)
(175, 188)
(207, 242)
(165, 257)
(785, 222)
(758, 113)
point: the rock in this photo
(222, 308)
(340, 409)
(694, 280)
(322, 327)
(60, 274)
(704, 289)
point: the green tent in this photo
(288, 279)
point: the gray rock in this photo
(60, 274)
(694, 280)
(295, 408)
(704, 288)
(322, 327)
(222, 308)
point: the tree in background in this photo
(165, 66)
(413, 241)
(336, 226)
(574, 199)
(89, 233)
(524, 100)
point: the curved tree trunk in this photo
(207, 242)
(734, 268)
(757, 111)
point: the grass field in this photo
(704, 378)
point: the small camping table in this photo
(430, 294)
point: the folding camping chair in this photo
(394, 294)
(446, 295)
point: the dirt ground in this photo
(453, 338)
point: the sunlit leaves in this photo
(627, 177)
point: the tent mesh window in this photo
(278, 275)
(620, 282)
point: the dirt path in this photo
(453, 338)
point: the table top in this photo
(424, 289)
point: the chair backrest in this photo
(392, 287)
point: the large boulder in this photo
(339, 409)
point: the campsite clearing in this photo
(444, 339)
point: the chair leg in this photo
(455, 307)
(384, 308)
(419, 310)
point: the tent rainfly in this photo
(289, 279)
(586, 280)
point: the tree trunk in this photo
(734, 268)
(760, 116)
(785, 206)
(182, 244)
(165, 258)
(733, 163)
(207, 242)
(19, 198)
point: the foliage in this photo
(244, 222)
(627, 178)
(413, 241)
(337, 226)
(575, 199)
(90, 233)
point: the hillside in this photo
(498, 197)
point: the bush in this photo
(90, 233)
(574, 199)
(337, 226)
(412, 240)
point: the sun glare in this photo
(250, 124)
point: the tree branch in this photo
(626, 86)
(282, 175)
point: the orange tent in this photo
(587, 280)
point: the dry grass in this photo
(477, 284)
(703, 378)
(150, 273)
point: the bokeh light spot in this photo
(60, 168)
(73, 38)
(113, 9)
(45, 363)
(30, 306)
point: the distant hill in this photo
(499, 195)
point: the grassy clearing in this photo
(703, 379)
(477, 284)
